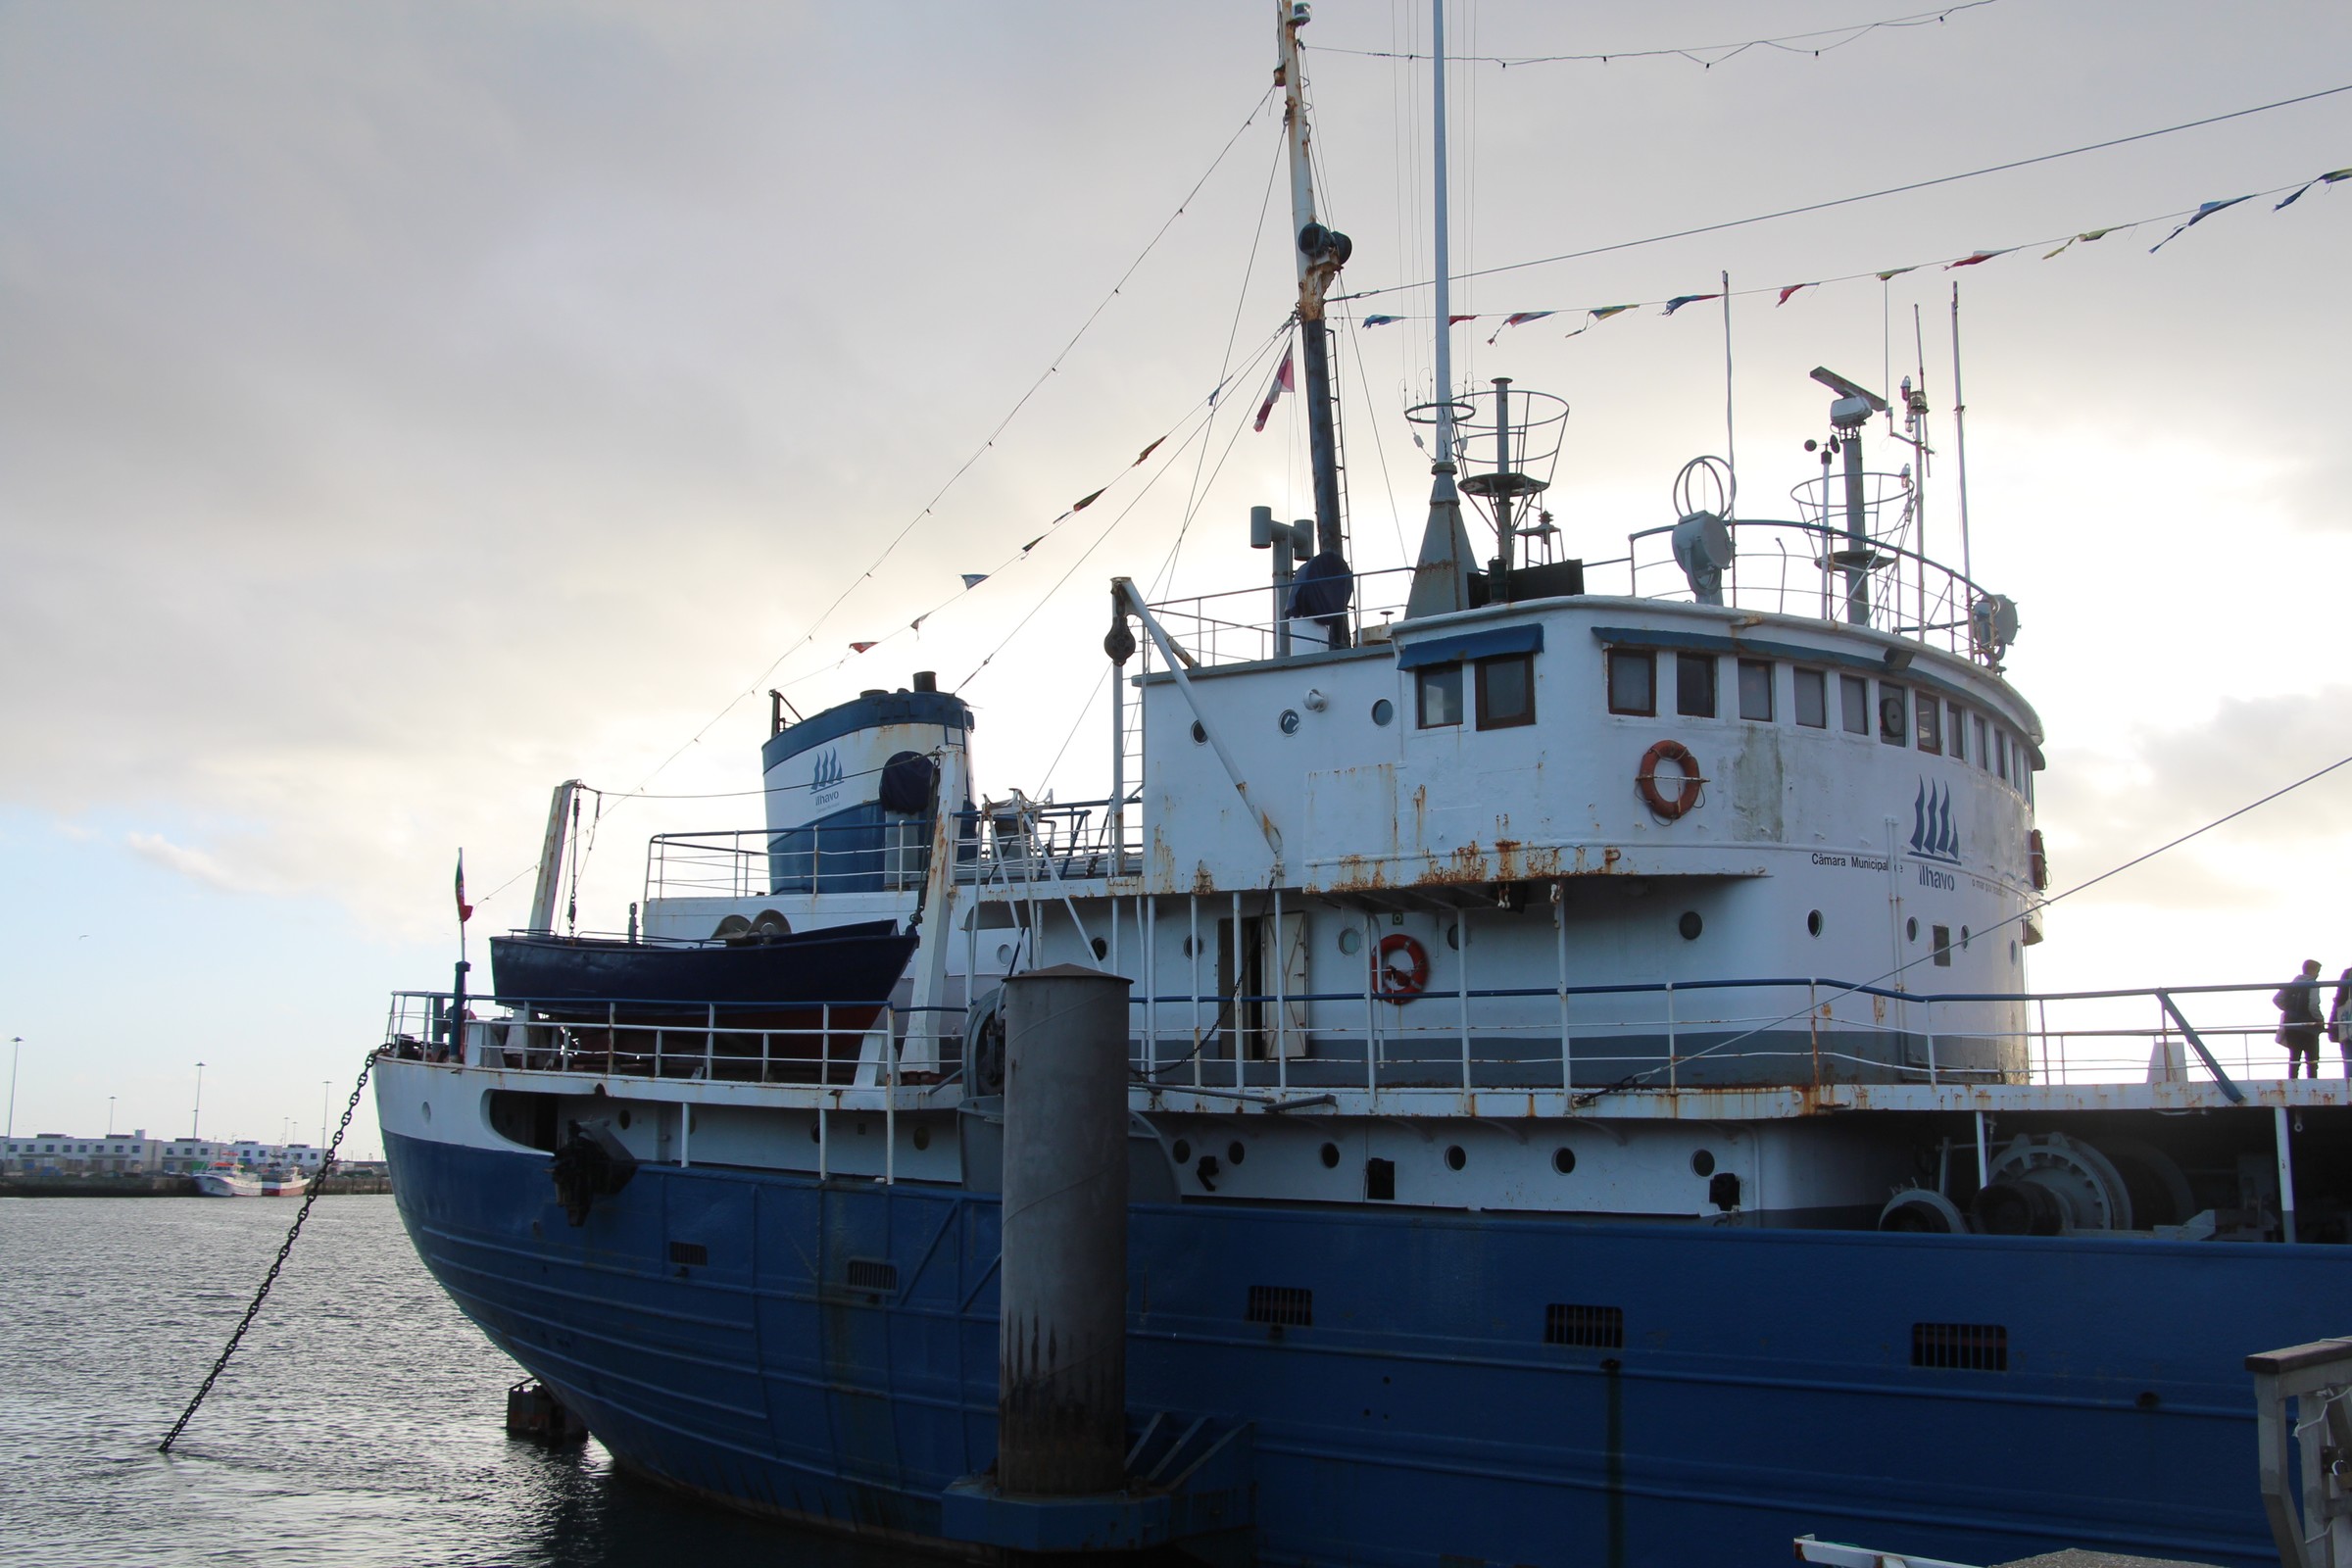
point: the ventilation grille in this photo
(694, 1253)
(1964, 1346)
(1282, 1303)
(872, 1274)
(1595, 1328)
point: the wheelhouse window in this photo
(2000, 753)
(1755, 689)
(1633, 681)
(1894, 712)
(1853, 695)
(1438, 688)
(1812, 699)
(1984, 747)
(1931, 723)
(1695, 685)
(1958, 731)
(1506, 691)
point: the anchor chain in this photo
(326, 1166)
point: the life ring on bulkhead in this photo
(1393, 981)
(1669, 807)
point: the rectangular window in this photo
(1931, 723)
(1894, 712)
(2028, 770)
(1943, 946)
(1506, 691)
(1755, 689)
(1633, 681)
(1440, 690)
(1984, 750)
(1812, 699)
(1854, 694)
(1695, 685)
(1958, 728)
(2001, 753)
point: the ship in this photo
(227, 1179)
(1583, 1100)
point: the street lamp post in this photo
(325, 1086)
(15, 1049)
(110, 1115)
(196, 1116)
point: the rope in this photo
(326, 1164)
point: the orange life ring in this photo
(1399, 982)
(1647, 780)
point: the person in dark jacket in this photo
(2300, 1019)
(2339, 1027)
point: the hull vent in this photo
(872, 1274)
(693, 1252)
(1961, 1347)
(1285, 1305)
(1592, 1327)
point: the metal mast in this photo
(1442, 573)
(1320, 252)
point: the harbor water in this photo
(360, 1424)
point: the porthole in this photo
(1188, 947)
(1199, 735)
(1351, 940)
(1182, 1151)
(1288, 721)
(1453, 936)
(1100, 947)
(1703, 1163)
(1455, 1157)
(1813, 922)
(1384, 713)
(1691, 925)
(1004, 953)
(922, 1137)
(1911, 929)
(1235, 1152)
(1331, 1156)
(624, 1115)
(424, 1108)
(817, 1132)
(1563, 1160)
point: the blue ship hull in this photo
(711, 1327)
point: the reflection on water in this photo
(361, 1424)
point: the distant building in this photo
(131, 1153)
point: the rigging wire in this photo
(808, 636)
(1866, 196)
(1795, 43)
(1852, 987)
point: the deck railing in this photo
(1783, 566)
(1582, 1039)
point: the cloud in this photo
(195, 865)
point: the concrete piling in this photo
(1061, 1352)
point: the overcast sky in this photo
(404, 407)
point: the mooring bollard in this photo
(1062, 1339)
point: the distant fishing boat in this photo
(227, 1179)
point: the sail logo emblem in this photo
(829, 772)
(1933, 836)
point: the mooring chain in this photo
(327, 1164)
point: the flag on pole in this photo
(464, 910)
(1282, 384)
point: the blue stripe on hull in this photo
(1764, 1387)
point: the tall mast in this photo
(1320, 255)
(1442, 571)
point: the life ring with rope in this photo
(1400, 968)
(1669, 807)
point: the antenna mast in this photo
(1321, 252)
(1441, 575)
(1445, 365)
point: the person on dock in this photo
(2299, 1020)
(2339, 1028)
